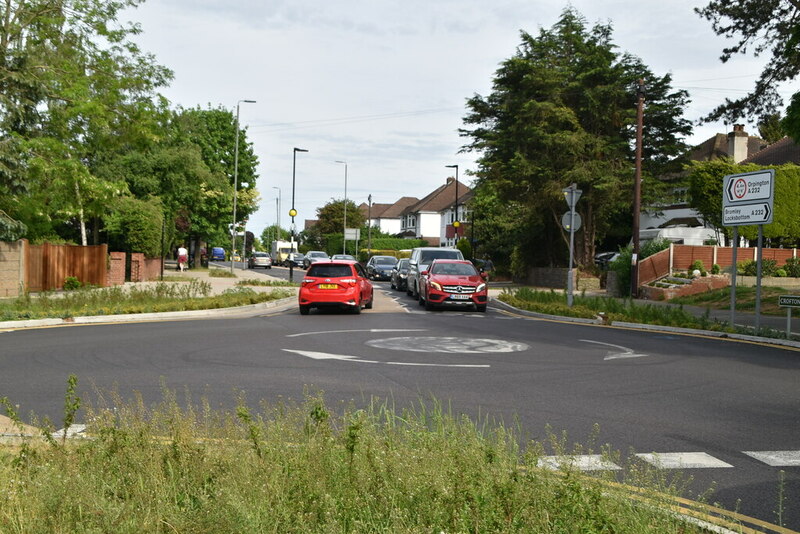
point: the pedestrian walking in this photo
(183, 258)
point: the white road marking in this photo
(776, 458)
(584, 462)
(683, 460)
(343, 357)
(626, 352)
(374, 330)
(448, 345)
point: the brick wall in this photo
(12, 268)
(116, 269)
(698, 285)
(144, 269)
(555, 277)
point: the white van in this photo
(421, 257)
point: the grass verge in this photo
(221, 273)
(720, 299)
(555, 303)
(301, 467)
(625, 310)
(161, 297)
(267, 283)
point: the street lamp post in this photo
(236, 181)
(278, 215)
(293, 212)
(344, 228)
(456, 223)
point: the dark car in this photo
(399, 275)
(380, 267)
(337, 284)
(313, 256)
(295, 259)
(453, 283)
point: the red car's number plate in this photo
(329, 286)
(459, 297)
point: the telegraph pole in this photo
(637, 191)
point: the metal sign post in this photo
(789, 302)
(748, 199)
(571, 221)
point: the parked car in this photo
(314, 256)
(399, 277)
(259, 259)
(453, 282)
(380, 267)
(217, 254)
(421, 257)
(295, 259)
(603, 259)
(339, 284)
(346, 257)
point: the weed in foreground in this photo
(303, 467)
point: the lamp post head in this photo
(300, 149)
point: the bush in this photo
(622, 266)
(750, 267)
(792, 267)
(465, 247)
(715, 269)
(71, 283)
(653, 247)
(780, 273)
(697, 265)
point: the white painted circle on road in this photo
(447, 344)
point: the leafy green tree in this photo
(273, 233)
(563, 110)
(791, 122)
(330, 217)
(73, 90)
(135, 225)
(771, 129)
(757, 26)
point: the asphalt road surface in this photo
(726, 412)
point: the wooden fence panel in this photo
(685, 255)
(654, 267)
(48, 265)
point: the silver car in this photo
(259, 259)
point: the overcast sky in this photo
(382, 85)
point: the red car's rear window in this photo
(327, 270)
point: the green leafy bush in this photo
(71, 283)
(750, 267)
(697, 265)
(715, 269)
(780, 273)
(792, 267)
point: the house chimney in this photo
(737, 143)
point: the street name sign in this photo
(789, 301)
(748, 198)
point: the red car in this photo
(453, 282)
(335, 284)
